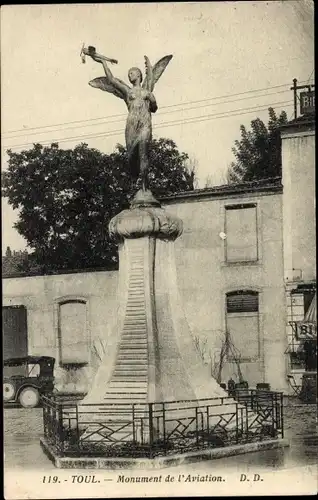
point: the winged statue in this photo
(140, 102)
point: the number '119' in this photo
(50, 479)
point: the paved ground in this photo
(23, 428)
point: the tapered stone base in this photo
(154, 359)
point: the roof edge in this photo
(265, 186)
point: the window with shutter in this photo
(242, 301)
(241, 233)
(73, 338)
(242, 322)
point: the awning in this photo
(311, 314)
(307, 328)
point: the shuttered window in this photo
(242, 301)
(73, 338)
(241, 233)
(242, 322)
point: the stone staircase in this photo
(128, 384)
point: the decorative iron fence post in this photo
(60, 429)
(150, 405)
(142, 429)
(207, 421)
(78, 441)
(133, 423)
(282, 413)
(164, 426)
(273, 415)
(44, 418)
(246, 422)
(196, 425)
(236, 423)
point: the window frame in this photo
(57, 305)
(245, 314)
(239, 206)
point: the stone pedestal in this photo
(155, 358)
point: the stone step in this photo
(132, 356)
(143, 360)
(139, 362)
(135, 329)
(130, 323)
(133, 336)
(135, 315)
(134, 333)
(126, 390)
(133, 351)
(128, 386)
(128, 377)
(135, 307)
(133, 321)
(136, 342)
(127, 347)
(136, 351)
(112, 398)
(131, 369)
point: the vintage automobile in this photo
(25, 379)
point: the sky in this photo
(231, 60)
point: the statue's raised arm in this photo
(108, 83)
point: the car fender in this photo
(24, 386)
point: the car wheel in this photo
(8, 391)
(29, 397)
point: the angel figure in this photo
(141, 103)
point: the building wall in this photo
(298, 163)
(41, 296)
(299, 227)
(204, 278)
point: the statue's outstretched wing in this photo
(103, 83)
(153, 73)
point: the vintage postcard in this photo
(158, 257)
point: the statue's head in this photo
(134, 75)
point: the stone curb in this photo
(159, 462)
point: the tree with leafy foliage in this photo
(258, 153)
(66, 198)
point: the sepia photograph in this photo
(159, 307)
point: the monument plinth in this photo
(155, 359)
